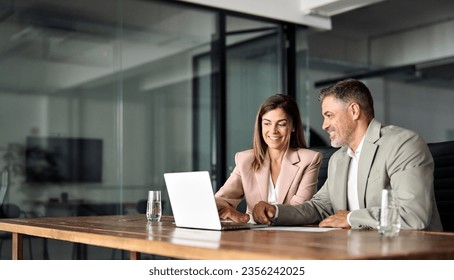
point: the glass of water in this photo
(154, 210)
(389, 223)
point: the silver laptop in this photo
(193, 204)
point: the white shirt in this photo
(352, 184)
(272, 191)
(272, 195)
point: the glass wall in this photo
(254, 72)
(97, 102)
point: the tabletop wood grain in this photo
(134, 234)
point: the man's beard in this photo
(343, 141)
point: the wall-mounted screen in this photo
(63, 160)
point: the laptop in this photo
(193, 204)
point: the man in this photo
(372, 156)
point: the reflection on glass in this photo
(121, 73)
(254, 72)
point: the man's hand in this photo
(338, 220)
(229, 213)
(263, 213)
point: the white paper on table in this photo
(304, 229)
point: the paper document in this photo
(305, 229)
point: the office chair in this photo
(443, 155)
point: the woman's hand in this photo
(230, 213)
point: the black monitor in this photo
(63, 160)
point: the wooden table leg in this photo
(134, 255)
(17, 246)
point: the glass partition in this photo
(306, 97)
(254, 72)
(54, 57)
(115, 74)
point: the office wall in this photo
(426, 43)
(426, 109)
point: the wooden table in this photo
(134, 234)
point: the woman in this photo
(279, 169)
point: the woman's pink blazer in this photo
(297, 181)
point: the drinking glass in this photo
(154, 210)
(389, 223)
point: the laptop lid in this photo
(192, 199)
